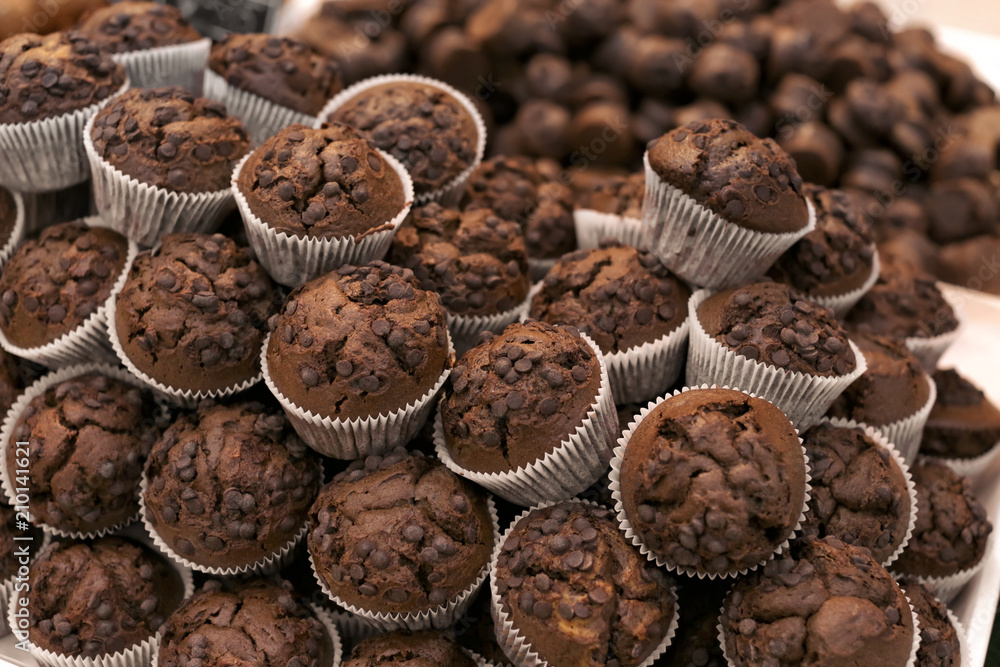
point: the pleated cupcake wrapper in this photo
(7, 587)
(701, 246)
(803, 398)
(636, 539)
(841, 303)
(948, 587)
(465, 328)
(451, 192)
(963, 638)
(592, 227)
(879, 438)
(930, 349)
(353, 628)
(968, 467)
(573, 465)
(18, 232)
(176, 65)
(292, 260)
(262, 117)
(539, 266)
(47, 154)
(440, 617)
(514, 644)
(479, 660)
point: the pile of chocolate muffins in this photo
(315, 382)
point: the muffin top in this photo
(578, 592)
(43, 76)
(620, 195)
(52, 284)
(321, 183)
(431, 133)
(516, 396)
(137, 26)
(963, 423)
(257, 622)
(739, 480)
(10, 558)
(750, 182)
(401, 648)
(763, 322)
(281, 70)
(98, 598)
(90, 436)
(170, 139)
(236, 514)
(474, 260)
(834, 258)
(192, 314)
(399, 533)
(622, 297)
(8, 215)
(939, 643)
(823, 599)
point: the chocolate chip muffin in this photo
(964, 423)
(428, 648)
(399, 534)
(746, 180)
(192, 315)
(54, 283)
(939, 642)
(432, 134)
(824, 602)
(321, 183)
(739, 481)
(577, 592)
(137, 26)
(616, 194)
(170, 139)
(91, 599)
(11, 549)
(256, 622)
(234, 515)
(47, 76)
(89, 436)
(474, 260)
(513, 398)
(281, 70)
(357, 342)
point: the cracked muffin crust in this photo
(939, 643)
(52, 284)
(399, 534)
(136, 26)
(89, 436)
(620, 195)
(513, 398)
(427, 648)
(192, 314)
(578, 592)
(963, 423)
(321, 183)
(713, 481)
(230, 484)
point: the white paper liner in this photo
(700, 246)
(592, 227)
(963, 639)
(47, 154)
(262, 117)
(175, 65)
(967, 467)
(841, 303)
(353, 628)
(947, 588)
(451, 192)
(17, 232)
(292, 260)
(515, 645)
(441, 617)
(929, 350)
(480, 660)
(633, 535)
(803, 398)
(569, 468)
(7, 586)
(905, 434)
(465, 328)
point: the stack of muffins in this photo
(317, 384)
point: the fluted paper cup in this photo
(968, 467)
(18, 230)
(592, 227)
(262, 117)
(841, 303)
(175, 65)
(464, 329)
(930, 349)
(948, 587)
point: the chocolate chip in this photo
(310, 377)
(579, 373)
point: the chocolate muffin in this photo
(137, 26)
(622, 297)
(746, 180)
(92, 599)
(358, 342)
(432, 133)
(939, 642)
(321, 183)
(739, 481)
(515, 397)
(52, 75)
(577, 592)
(89, 436)
(619, 195)
(952, 526)
(473, 259)
(234, 515)
(859, 494)
(281, 70)
(192, 314)
(823, 603)
(427, 648)
(256, 622)
(54, 283)
(11, 549)
(170, 139)
(963, 423)
(399, 534)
